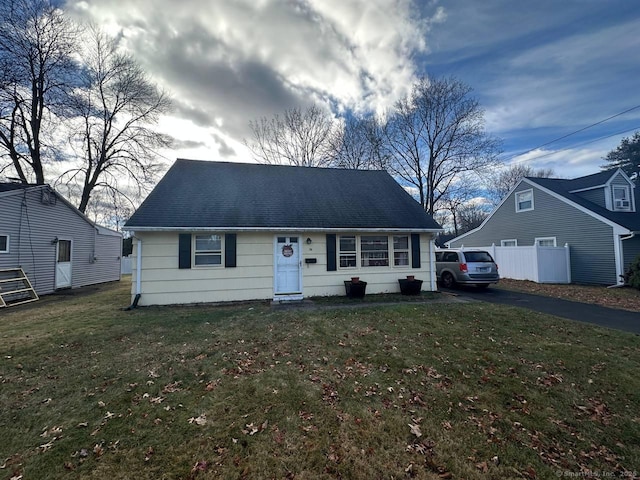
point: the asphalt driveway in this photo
(581, 312)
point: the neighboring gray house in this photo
(596, 215)
(52, 241)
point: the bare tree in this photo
(437, 134)
(117, 107)
(298, 137)
(37, 43)
(463, 207)
(360, 144)
(502, 181)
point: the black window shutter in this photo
(415, 250)
(331, 252)
(184, 251)
(230, 250)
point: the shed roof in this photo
(206, 194)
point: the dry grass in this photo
(424, 391)
(624, 298)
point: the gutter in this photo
(281, 229)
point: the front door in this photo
(63, 264)
(287, 261)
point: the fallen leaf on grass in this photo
(415, 429)
(199, 420)
(149, 454)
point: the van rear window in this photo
(477, 257)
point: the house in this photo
(219, 231)
(596, 216)
(55, 244)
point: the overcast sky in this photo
(541, 70)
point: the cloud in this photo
(227, 63)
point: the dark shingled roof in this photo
(201, 194)
(628, 220)
(7, 187)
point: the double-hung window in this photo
(4, 243)
(208, 250)
(374, 251)
(401, 251)
(524, 200)
(348, 253)
(621, 197)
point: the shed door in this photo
(287, 266)
(63, 264)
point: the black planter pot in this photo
(410, 287)
(355, 289)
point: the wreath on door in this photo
(287, 251)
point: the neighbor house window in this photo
(208, 250)
(546, 242)
(509, 243)
(401, 251)
(348, 253)
(4, 243)
(621, 197)
(524, 200)
(374, 251)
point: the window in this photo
(621, 197)
(348, 252)
(509, 243)
(4, 243)
(524, 200)
(546, 242)
(208, 250)
(401, 251)
(374, 251)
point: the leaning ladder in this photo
(15, 288)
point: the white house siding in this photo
(591, 241)
(33, 226)
(162, 282)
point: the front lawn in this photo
(246, 391)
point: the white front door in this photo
(287, 259)
(63, 264)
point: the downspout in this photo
(136, 299)
(622, 238)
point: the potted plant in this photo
(355, 288)
(410, 285)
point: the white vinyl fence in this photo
(126, 266)
(538, 264)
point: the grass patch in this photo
(245, 391)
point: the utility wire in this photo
(578, 131)
(569, 148)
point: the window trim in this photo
(400, 250)
(514, 240)
(195, 253)
(355, 252)
(538, 239)
(627, 197)
(518, 194)
(7, 245)
(390, 252)
(374, 251)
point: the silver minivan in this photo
(468, 267)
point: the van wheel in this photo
(447, 280)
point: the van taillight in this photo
(463, 267)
